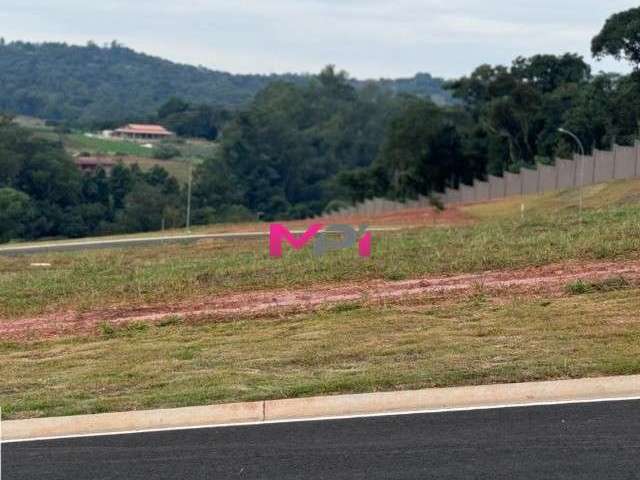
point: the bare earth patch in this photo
(549, 279)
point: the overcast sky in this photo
(368, 38)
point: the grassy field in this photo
(177, 168)
(482, 337)
(602, 196)
(131, 152)
(81, 143)
(344, 349)
(157, 274)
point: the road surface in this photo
(77, 245)
(575, 441)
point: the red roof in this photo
(94, 161)
(144, 129)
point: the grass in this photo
(174, 272)
(177, 168)
(132, 152)
(601, 196)
(580, 287)
(81, 143)
(345, 349)
(591, 329)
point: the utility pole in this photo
(575, 137)
(189, 182)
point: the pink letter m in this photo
(279, 233)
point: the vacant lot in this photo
(348, 348)
(164, 274)
(574, 312)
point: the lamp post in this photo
(577, 140)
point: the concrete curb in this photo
(484, 396)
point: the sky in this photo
(367, 38)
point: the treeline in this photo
(192, 120)
(81, 86)
(298, 150)
(88, 86)
(43, 194)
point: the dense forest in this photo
(298, 149)
(86, 85)
(43, 194)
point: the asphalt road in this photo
(577, 441)
(78, 245)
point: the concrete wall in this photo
(601, 166)
(496, 187)
(467, 193)
(513, 184)
(482, 190)
(566, 170)
(452, 195)
(530, 180)
(625, 162)
(548, 178)
(603, 170)
(584, 170)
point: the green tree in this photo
(422, 151)
(549, 72)
(620, 37)
(16, 214)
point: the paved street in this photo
(577, 441)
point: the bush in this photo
(165, 151)
(436, 202)
(580, 287)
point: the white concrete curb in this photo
(433, 399)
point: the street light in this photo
(575, 137)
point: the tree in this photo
(286, 150)
(16, 214)
(144, 208)
(173, 106)
(44, 194)
(120, 183)
(620, 37)
(549, 72)
(422, 151)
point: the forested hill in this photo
(92, 84)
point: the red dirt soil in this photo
(549, 279)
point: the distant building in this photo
(91, 164)
(135, 131)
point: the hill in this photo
(92, 84)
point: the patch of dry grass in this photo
(351, 348)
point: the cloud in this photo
(369, 38)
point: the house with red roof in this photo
(93, 163)
(142, 132)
